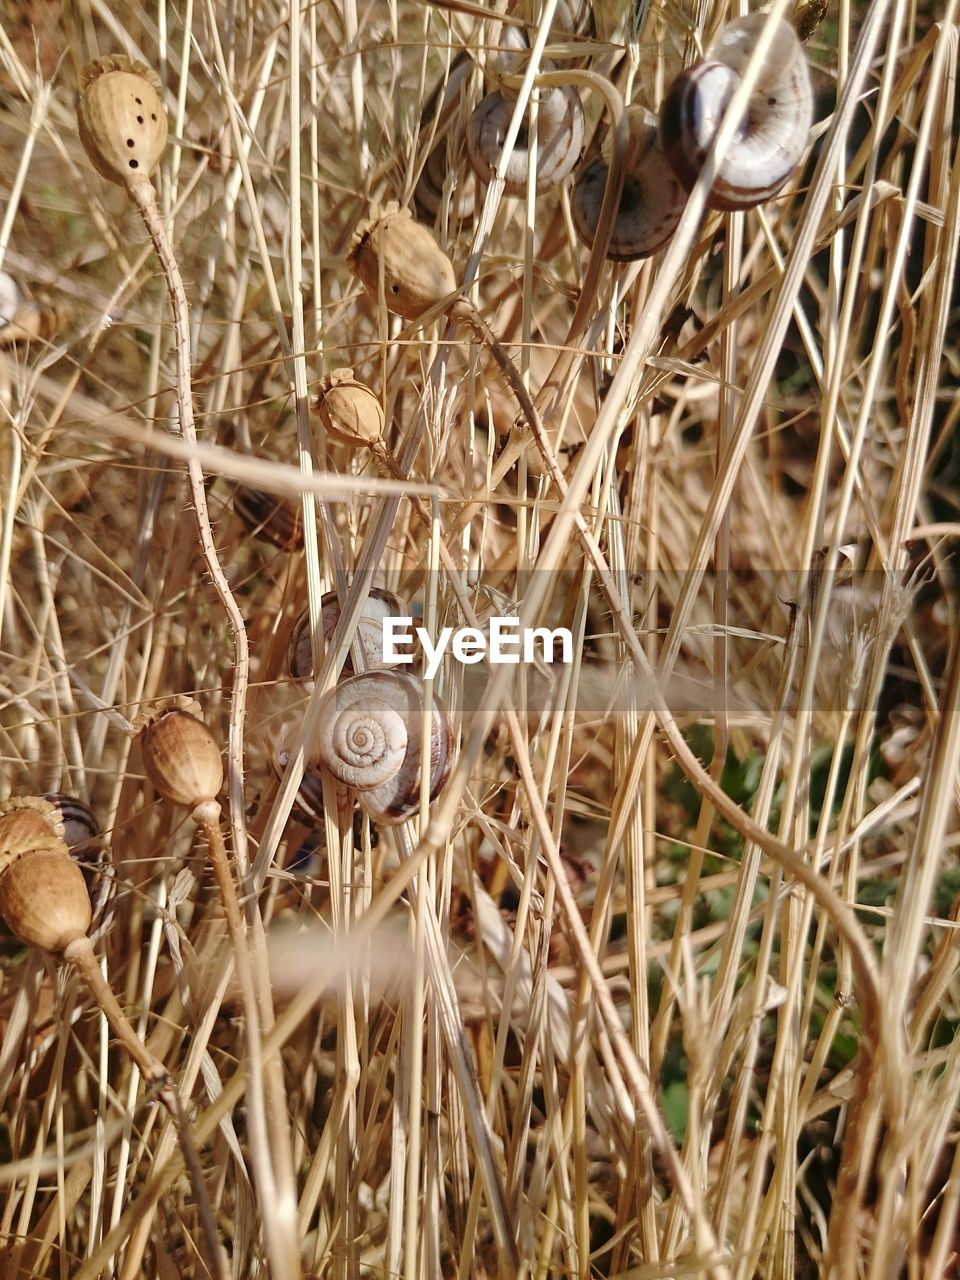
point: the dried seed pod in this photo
(268, 516)
(44, 899)
(370, 738)
(775, 127)
(28, 823)
(651, 203)
(560, 132)
(181, 755)
(349, 410)
(416, 273)
(379, 604)
(121, 120)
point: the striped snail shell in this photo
(773, 132)
(560, 132)
(270, 517)
(379, 604)
(442, 107)
(81, 831)
(650, 205)
(83, 838)
(370, 741)
(307, 807)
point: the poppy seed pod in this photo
(181, 756)
(417, 274)
(28, 823)
(121, 120)
(44, 899)
(349, 410)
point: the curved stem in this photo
(80, 953)
(145, 198)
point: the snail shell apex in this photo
(80, 826)
(370, 740)
(651, 203)
(773, 132)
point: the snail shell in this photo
(560, 132)
(650, 205)
(308, 805)
(80, 828)
(379, 604)
(270, 517)
(370, 741)
(771, 137)
(443, 104)
(82, 835)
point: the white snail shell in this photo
(652, 199)
(560, 128)
(370, 741)
(775, 128)
(378, 605)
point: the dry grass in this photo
(664, 983)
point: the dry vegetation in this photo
(664, 983)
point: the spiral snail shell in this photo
(560, 132)
(435, 177)
(269, 517)
(775, 127)
(650, 205)
(379, 604)
(370, 741)
(81, 831)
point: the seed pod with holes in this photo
(268, 516)
(379, 604)
(44, 899)
(773, 132)
(369, 740)
(181, 755)
(349, 410)
(121, 120)
(416, 273)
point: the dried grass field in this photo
(637, 965)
